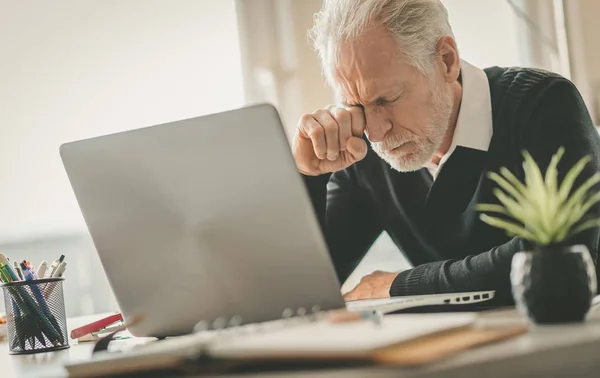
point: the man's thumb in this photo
(357, 148)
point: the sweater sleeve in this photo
(556, 117)
(347, 217)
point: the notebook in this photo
(299, 339)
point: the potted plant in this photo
(555, 282)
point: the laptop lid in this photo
(202, 219)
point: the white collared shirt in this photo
(474, 123)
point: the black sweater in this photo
(435, 224)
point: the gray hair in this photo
(417, 25)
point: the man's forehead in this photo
(355, 62)
(368, 89)
(365, 71)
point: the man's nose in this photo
(377, 126)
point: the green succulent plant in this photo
(539, 210)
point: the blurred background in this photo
(73, 69)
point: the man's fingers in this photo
(358, 292)
(313, 130)
(350, 296)
(344, 121)
(358, 120)
(357, 148)
(331, 133)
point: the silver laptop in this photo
(205, 219)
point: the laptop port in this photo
(485, 296)
(446, 301)
(477, 296)
(457, 299)
(466, 299)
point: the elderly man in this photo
(436, 126)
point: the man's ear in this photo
(450, 60)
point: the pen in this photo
(6, 278)
(42, 270)
(4, 274)
(37, 293)
(18, 270)
(55, 265)
(27, 265)
(60, 270)
(27, 274)
(31, 268)
(9, 270)
(57, 273)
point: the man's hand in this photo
(329, 140)
(374, 285)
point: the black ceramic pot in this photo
(554, 284)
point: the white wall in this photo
(71, 69)
(487, 32)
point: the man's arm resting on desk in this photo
(486, 271)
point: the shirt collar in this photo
(474, 127)
(474, 123)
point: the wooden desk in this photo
(553, 351)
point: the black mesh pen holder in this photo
(35, 316)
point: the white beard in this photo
(440, 110)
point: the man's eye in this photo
(398, 98)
